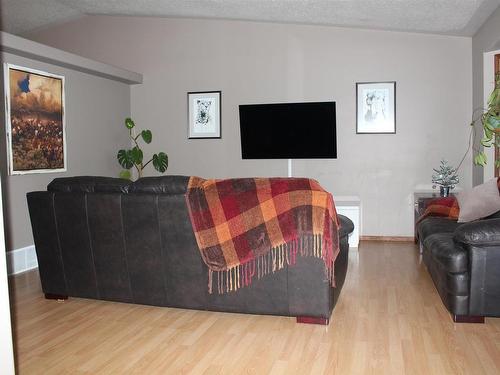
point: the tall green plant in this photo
(133, 157)
(490, 119)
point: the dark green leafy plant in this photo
(134, 157)
(490, 119)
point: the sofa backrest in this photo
(160, 185)
(88, 184)
(95, 184)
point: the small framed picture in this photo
(204, 114)
(376, 107)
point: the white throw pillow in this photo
(478, 202)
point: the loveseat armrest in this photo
(479, 233)
(481, 240)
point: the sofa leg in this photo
(59, 297)
(468, 318)
(312, 320)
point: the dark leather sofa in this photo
(463, 260)
(109, 239)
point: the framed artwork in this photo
(376, 107)
(204, 110)
(35, 120)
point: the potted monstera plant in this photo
(134, 157)
(490, 119)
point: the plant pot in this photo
(444, 191)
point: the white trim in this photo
(21, 260)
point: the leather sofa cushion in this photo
(479, 233)
(89, 184)
(160, 185)
(433, 224)
(445, 251)
(346, 226)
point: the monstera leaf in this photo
(137, 155)
(125, 158)
(160, 162)
(147, 136)
(129, 123)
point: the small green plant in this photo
(490, 119)
(445, 175)
(130, 158)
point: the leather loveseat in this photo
(463, 260)
(106, 238)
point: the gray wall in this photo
(486, 39)
(264, 62)
(95, 109)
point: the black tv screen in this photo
(288, 131)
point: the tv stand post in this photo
(289, 167)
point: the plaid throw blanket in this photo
(250, 227)
(444, 206)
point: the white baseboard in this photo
(21, 260)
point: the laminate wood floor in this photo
(389, 320)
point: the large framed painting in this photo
(376, 107)
(35, 120)
(204, 110)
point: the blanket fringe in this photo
(274, 260)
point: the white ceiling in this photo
(453, 17)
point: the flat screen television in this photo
(288, 131)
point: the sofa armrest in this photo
(479, 233)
